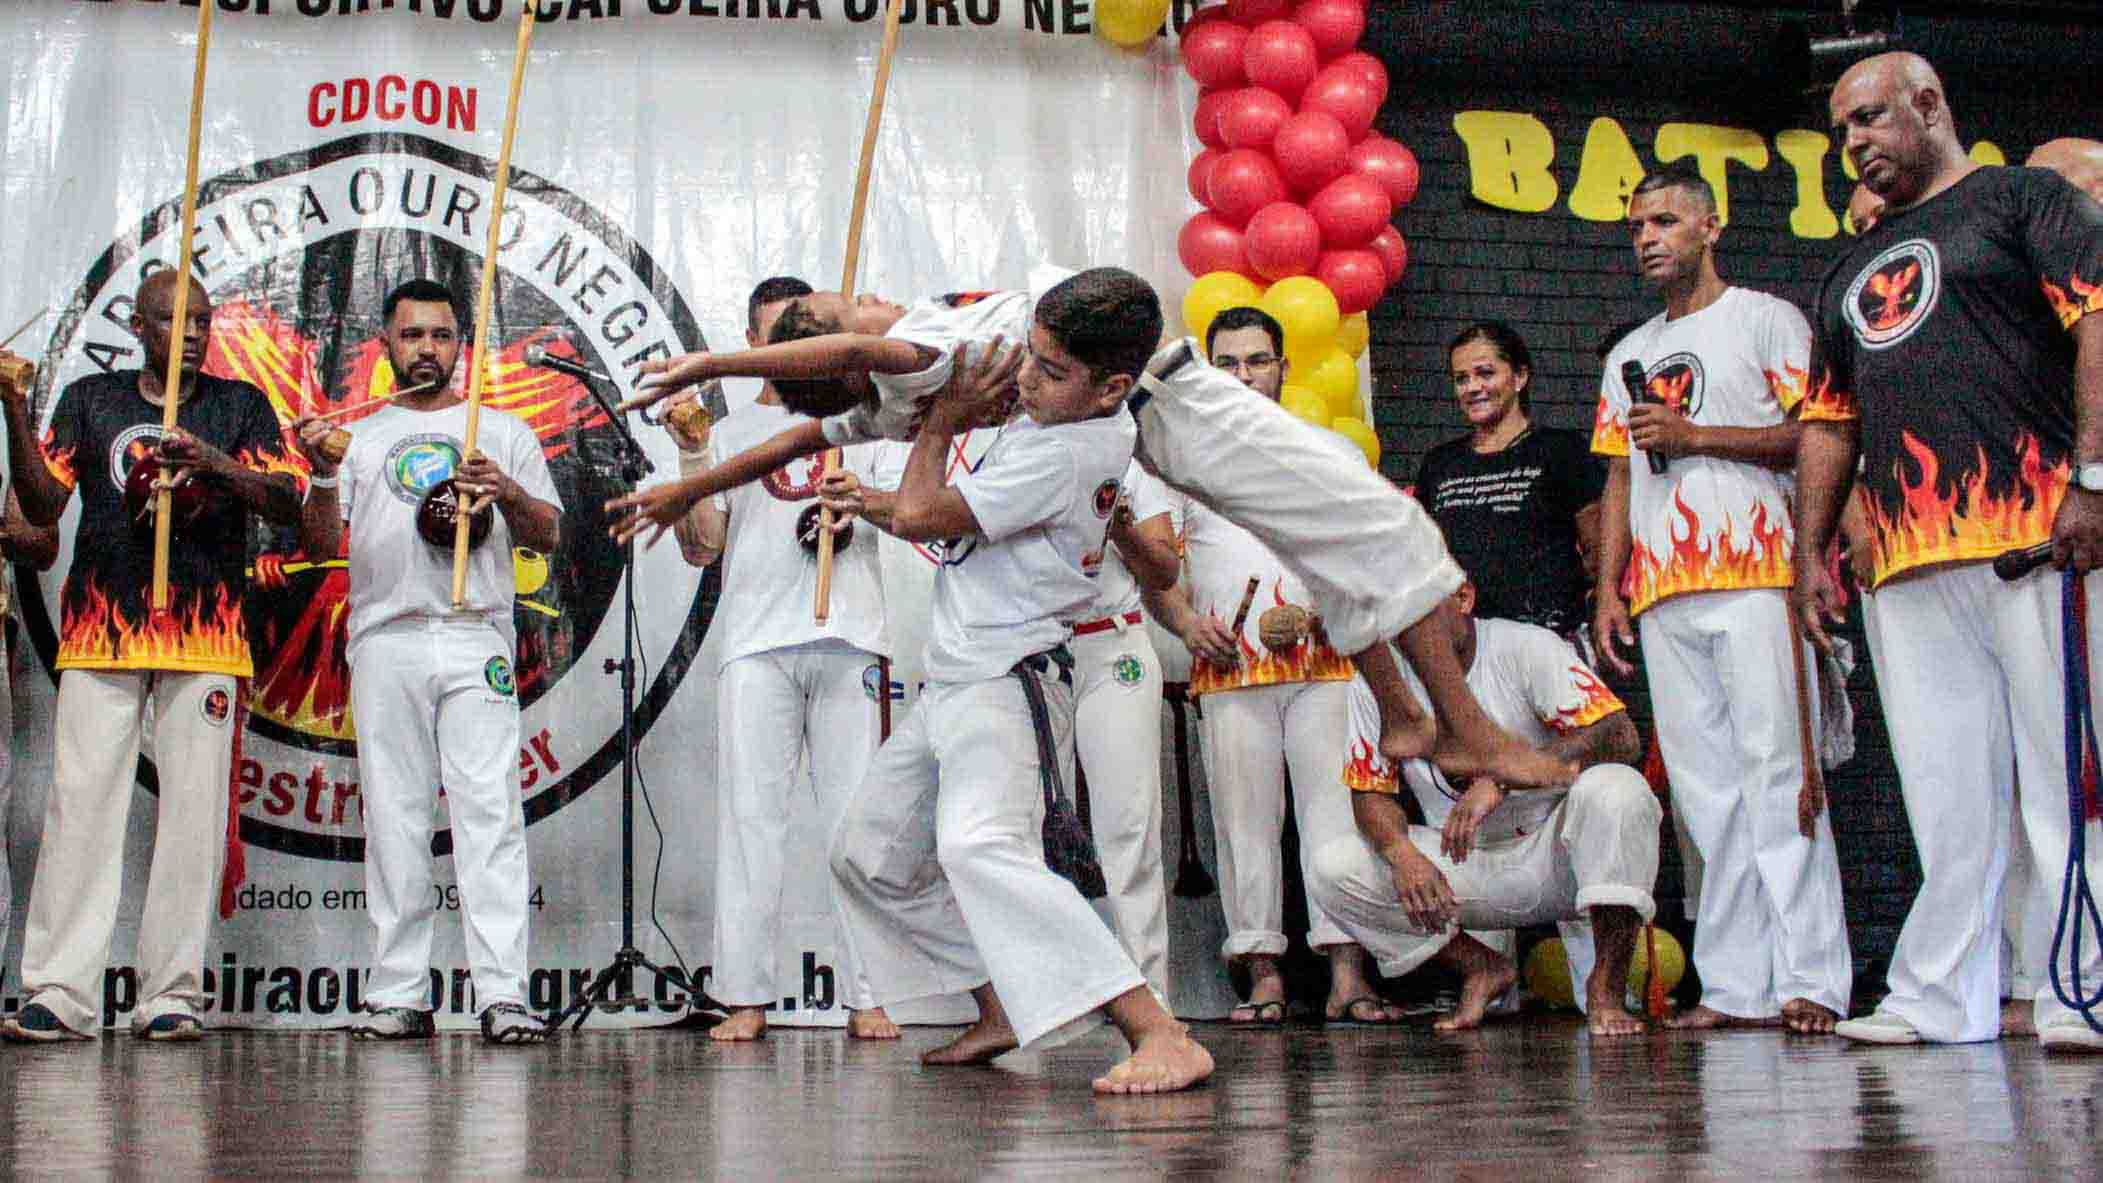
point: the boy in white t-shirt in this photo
(940, 855)
(431, 685)
(1370, 556)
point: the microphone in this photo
(1638, 392)
(540, 358)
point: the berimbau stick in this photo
(485, 298)
(821, 607)
(381, 401)
(172, 386)
(25, 328)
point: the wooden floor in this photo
(1533, 1099)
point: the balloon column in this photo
(1299, 193)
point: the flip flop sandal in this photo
(1261, 1014)
(1349, 1016)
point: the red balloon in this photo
(1312, 149)
(1283, 240)
(1205, 16)
(1393, 252)
(1244, 181)
(1335, 25)
(1249, 117)
(1204, 119)
(1350, 209)
(1389, 163)
(1366, 66)
(1199, 177)
(1280, 55)
(1207, 244)
(1341, 92)
(1212, 52)
(1356, 278)
(1255, 12)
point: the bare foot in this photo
(2018, 1018)
(1484, 979)
(742, 1025)
(1163, 1062)
(1604, 1014)
(1805, 1017)
(981, 1043)
(1508, 762)
(871, 1024)
(1703, 1018)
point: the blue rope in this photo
(2077, 902)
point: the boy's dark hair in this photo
(1510, 347)
(1246, 317)
(423, 291)
(772, 291)
(816, 397)
(1107, 317)
(1679, 174)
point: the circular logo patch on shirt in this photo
(1105, 499)
(795, 481)
(1679, 382)
(132, 445)
(217, 706)
(1128, 670)
(497, 672)
(418, 462)
(1895, 293)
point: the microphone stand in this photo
(620, 974)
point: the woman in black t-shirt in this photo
(1508, 495)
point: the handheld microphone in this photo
(1639, 392)
(2015, 564)
(540, 358)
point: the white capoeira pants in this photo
(1117, 735)
(1598, 848)
(778, 709)
(1370, 556)
(434, 709)
(940, 860)
(1971, 673)
(1252, 736)
(80, 866)
(1770, 925)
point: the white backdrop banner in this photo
(670, 154)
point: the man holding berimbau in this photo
(115, 653)
(431, 685)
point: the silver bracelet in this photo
(323, 482)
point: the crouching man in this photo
(1505, 858)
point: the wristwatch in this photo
(2088, 476)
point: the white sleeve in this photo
(1148, 496)
(853, 426)
(1030, 481)
(347, 486)
(880, 465)
(1785, 353)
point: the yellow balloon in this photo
(1335, 378)
(1353, 334)
(1129, 22)
(1306, 309)
(1548, 973)
(1214, 293)
(529, 570)
(1672, 963)
(1359, 432)
(1306, 404)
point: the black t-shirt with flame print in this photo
(99, 430)
(1944, 332)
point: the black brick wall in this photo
(1563, 281)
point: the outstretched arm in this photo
(663, 506)
(833, 355)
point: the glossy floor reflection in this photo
(1535, 1099)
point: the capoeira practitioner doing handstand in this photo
(1505, 857)
(940, 856)
(867, 367)
(794, 715)
(1959, 350)
(431, 685)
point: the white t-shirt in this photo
(1534, 685)
(395, 456)
(1709, 524)
(970, 320)
(1117, 593)
(1042, 497)
(769, 580)
(1222, 558)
